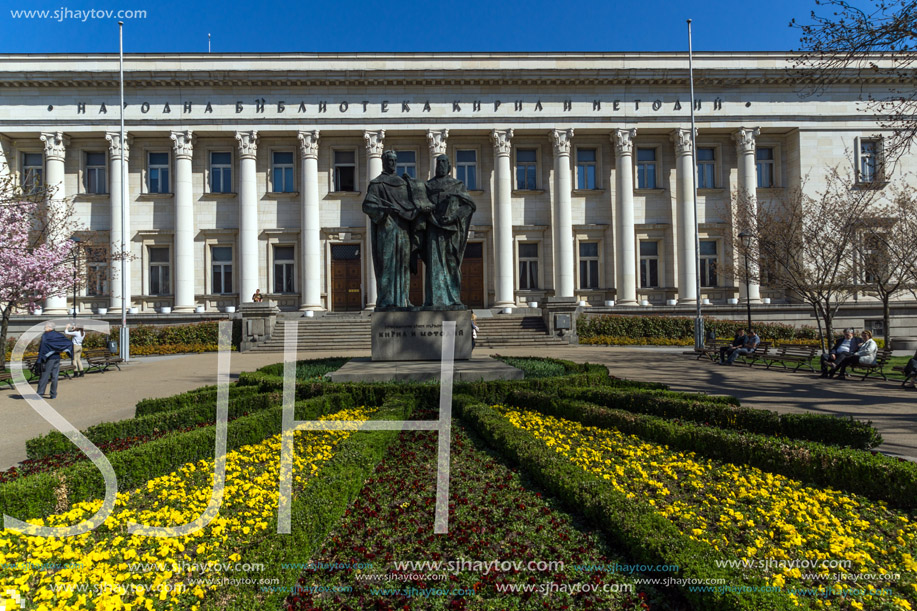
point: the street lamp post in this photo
(746, 243)
(76, 264)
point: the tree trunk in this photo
(4, 327)
(821, 336)
(886, 319)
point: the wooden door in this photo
(473, 275)
(416, 295)
(346, 273)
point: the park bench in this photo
(100, 359)
(882, 357)
(760, 353)
(800, 354)
(711, 350)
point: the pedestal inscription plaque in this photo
(418, 336)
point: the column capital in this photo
(502, 141)
(437, 141)
(623, 140)
(115, 150)
(562, 139)
(248, 144)
(745, 139)
(181, 143)
(375, 141)
(682, 139)
(308, 144)
(56, 144)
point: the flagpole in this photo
(699, 320)
(124, 343)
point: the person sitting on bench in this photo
(749, 345)
(736, 343)
(844, 346)
(865, 355)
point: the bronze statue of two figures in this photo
(414, 220)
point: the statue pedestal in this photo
(418, 336)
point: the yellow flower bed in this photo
(747, 513)
(98, 570)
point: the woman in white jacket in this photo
(866, 355)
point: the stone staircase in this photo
(346, 333)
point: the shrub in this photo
(207, 395)
(680, 328)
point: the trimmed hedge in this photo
(633, 524)
(823, 428)
(876, 476)
(34, 496)
(315, 510)
(681, 327)
(207, 394)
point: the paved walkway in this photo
(112, 395)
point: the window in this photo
(283, 269)
(345, 171)
(466, 168)
(220, 172)
(525, 169)
(706, 168)
(221, 265)
(765, 166)
(94, 178)
(528, 266)
(281, 173)
(407, 163)
(96, 272)
(159, 270)
(158, 172)
(708, 262)
(646, 168)
(32, 172)
(649, 265)
(873, 262)
(589, 265)
(585, 168)
(868, 168)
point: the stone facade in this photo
(247, 171)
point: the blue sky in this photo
(408, 25)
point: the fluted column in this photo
(183, 250)
(684, 202)
(248, 215)
(626, 257)
(563, 234)
(55, 148)
(748, 185)
(503, 219)
(5, 146)
(311, 225)
(437, 141)
(118, 154)
(374, 143)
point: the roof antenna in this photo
(208, 42)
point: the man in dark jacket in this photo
(844, 346)
(49, 351)
(736, 343)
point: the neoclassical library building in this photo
(247, 172)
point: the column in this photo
(503, 219)
(310, 238)
(5, 165)
(563, 233)
(626, 248)
(118, 154)
(374, 143)
(248, 215)
(748, 201)
(55, 147)
(183, 249)
(684, 201)
(437, 141)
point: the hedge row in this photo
(875, 476)
(207, 394)
(34, 496)
(315, 510)
(633, 524)
(822, 428)
(681, 327)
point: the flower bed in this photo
(163, 573)
(494, 514)
(747, 513)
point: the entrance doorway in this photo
(473, 275)
(346, 272)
